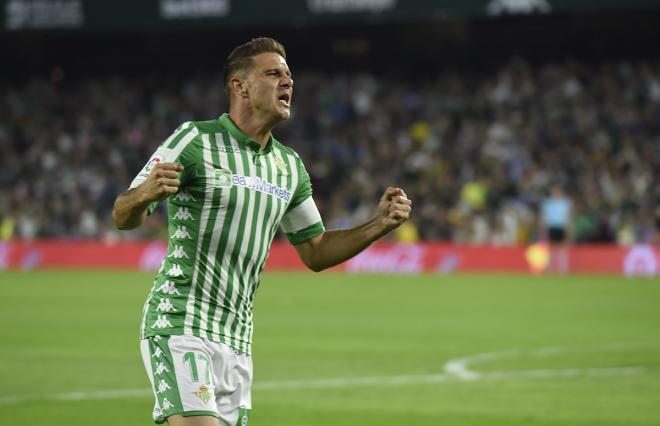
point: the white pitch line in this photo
(455, 369)
(460, 367)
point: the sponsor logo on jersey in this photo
(222, 178)
(225, 179)
(261, 185)
(203, 393)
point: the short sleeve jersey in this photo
(221, 223)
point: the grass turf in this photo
(77, 331)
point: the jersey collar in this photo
(244, 139)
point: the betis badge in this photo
(203, 393)
(280, 164)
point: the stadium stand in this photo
(476, 150)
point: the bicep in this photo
(307, 248)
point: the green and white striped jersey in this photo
(221, 224)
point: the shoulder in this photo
(287, 151)
(190, 134)
(208, 126)
(182, 136)
(290, 157)
(200, 127)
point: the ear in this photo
(239, 87)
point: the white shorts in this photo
(191, 376)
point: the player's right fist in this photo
(163, 181)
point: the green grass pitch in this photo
(334, 349)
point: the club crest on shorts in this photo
(203, 393)
(279, 163)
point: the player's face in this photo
(270, 86)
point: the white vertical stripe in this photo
(259, 226)
(240, 279)
(268, 222)
(293, 166)
(229, 247)
(183, 143)
(260, 239)
(203, 221)
(176, 133)
(265, 225)
(279, 206)
(207, 272)
(145, 310)
(166, 154)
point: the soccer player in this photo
(229, 185)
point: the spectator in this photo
(477, 152)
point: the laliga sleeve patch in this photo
(153, 161)
(160, 156)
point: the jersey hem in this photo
(223, 339)
(162, 419)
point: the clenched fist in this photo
(163, 181)
(394, 208)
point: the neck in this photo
(256, 128)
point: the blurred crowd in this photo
(476, 150)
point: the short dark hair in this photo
(240, 59)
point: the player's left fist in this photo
(394, 207)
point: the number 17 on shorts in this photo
(194, 377)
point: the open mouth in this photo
(284, 99)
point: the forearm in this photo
(337, 246)
(334, 247)
(130, 210)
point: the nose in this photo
(287, 81)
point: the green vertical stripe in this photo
(159, 352)
(271, 221)
(222, 252)
(242, 300)
(235, 253)
(265, 243)
(206, 235)
(175, 141)
(256, 249)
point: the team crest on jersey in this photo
(222, 179)
(279, 163)
(203, 393)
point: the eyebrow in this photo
(287, 72)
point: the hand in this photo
(393, 208)
(163, 181)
